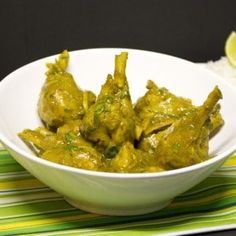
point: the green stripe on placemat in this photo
(29, 207)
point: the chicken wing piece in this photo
(111, 120)
(185, 142)
(39, 139)
(65, 147)
(61, 100)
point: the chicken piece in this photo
(185, 142)
(61, 100)
(131, 160)
(111, 120)
(39, 139)
(84, 157)
(216, 120)
(159, 108)
(65, 147)
(150, 143)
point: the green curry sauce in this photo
(109, 133)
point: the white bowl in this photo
(114, 193)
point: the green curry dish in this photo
(160, 132)
(61, 100)
(111, 120)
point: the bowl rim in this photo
(168, 173)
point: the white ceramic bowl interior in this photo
(113, 193)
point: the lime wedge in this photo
(230, 48)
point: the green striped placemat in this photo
(29, 207)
